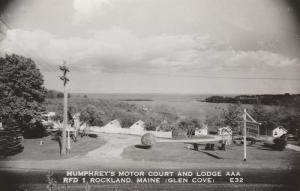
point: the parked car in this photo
(240, 140)
(290, 137)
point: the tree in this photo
(189, 125)
(21, 91)
(215, 119)
(92, 116)
(151, 123)
(127, 118)
(261, 115)
(53, 94)
(233, 117)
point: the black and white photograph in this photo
(149, 95)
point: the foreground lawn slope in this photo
(49, 150)
(178, 152)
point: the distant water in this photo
(182, 104)
(150, 97)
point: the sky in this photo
(159, 46)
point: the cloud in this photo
(88, 9)
(118, 50)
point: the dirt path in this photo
(116, 143)
(114, 146)
(293, 147)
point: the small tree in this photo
(92, 116)
(233, 117)
(151, 123)
(189, 125)
(127, 118)
(260, 114)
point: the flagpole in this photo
(245, 131)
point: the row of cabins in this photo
(114, 126)
(138, 128)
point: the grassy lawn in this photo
(180, 153)
(50, 148)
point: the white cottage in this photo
(111, 127)
(225, 131)
(278, 132)
(201, 131)
(138, 128)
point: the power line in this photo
(242, 78)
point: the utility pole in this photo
(65, 80)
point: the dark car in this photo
(290, 137)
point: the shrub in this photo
(189, 125)
(150, 125)
(93, 135)
(148, 139)
(10, 141)
(127, 118)
(178, 133)
(279, 143)
(35, 130)
(92, 116)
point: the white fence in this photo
(114, 127)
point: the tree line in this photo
(275, 99)
(53, 94)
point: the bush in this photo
(189, 125)
(93, 135)
(92, 116)
(10, 141)
(35, 130)
(150, 125)
(279, 143)
(148, 139)
(178, 133)
(127, 118)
